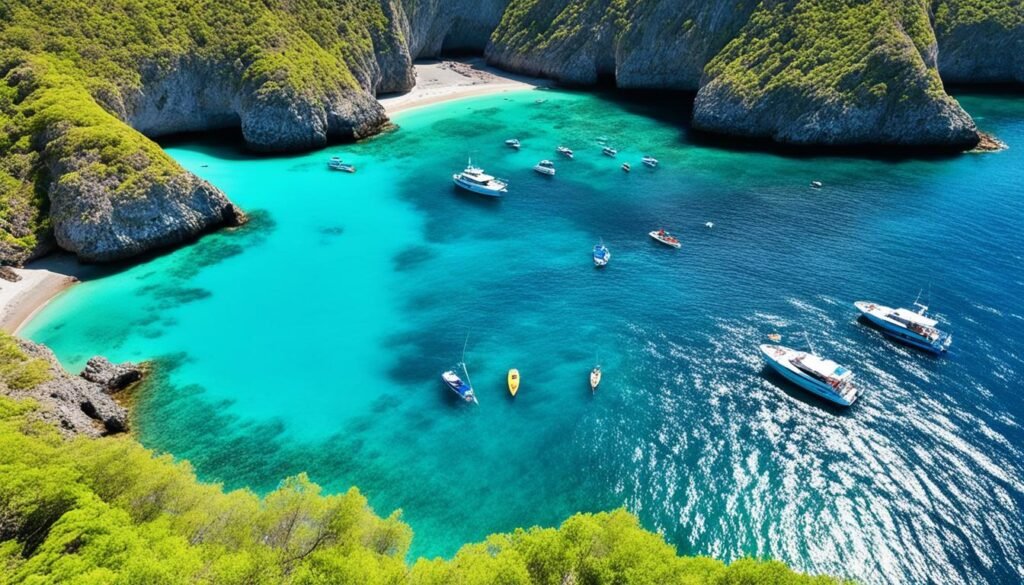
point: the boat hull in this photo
(461, 389)
(660, 240)
(478, 189)
(513, 381)
(813, 386)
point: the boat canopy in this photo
(912, 317)
(825, 368)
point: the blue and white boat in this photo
(475, 180)
(823, 377)
(601, 255)
(914, 328)
(456, 385)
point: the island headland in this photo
(86, 87)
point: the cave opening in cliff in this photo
(606, 79)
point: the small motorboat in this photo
(609, 151)
(665, 238)
(709, 225)
(545, 167)
(601, 255)
(816, 185)
(513, 381)
(513, 142)
(566, 152)
(626, 167)
(336, 164)
(475, 180)
(595, 378)
(823, 377)
(915, 328)
(539, 101)
(650, 161)
(456, 385)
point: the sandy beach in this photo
(439, 81)
(20, 301)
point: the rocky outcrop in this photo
(113, 377)
(80, 405)
(92, 220)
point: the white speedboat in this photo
(820, 376)
(609, 151)
(336, 164)
(545, 167)
(816, 185)
(513, 142)
(474, 179)
(665, 238)
(650, 161)
(626, 167)
(566, 152)
(911, 327)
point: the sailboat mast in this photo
(809, 344)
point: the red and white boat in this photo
(666, 238)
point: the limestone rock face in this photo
(190, 95)
(91, 219)
(982, 45)
(281, 123)
(657, 44)
(78, 406)
(801, 119)
(434, 26)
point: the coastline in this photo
(22, 300)
(443, 81)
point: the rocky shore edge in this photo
(89, 404)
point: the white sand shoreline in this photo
(442, 81)
(22, 300)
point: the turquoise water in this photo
(312, 339)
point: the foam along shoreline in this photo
(20, 301)
(441, 81)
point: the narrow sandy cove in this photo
(440, 81)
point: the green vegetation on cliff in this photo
(851, 49)
(73, 73)
(82, 510)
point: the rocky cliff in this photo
(86, 84)
(833, 72)
(77, 405)
(980, 41)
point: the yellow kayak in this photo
(513, 381)
(595, 378)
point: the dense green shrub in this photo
(109, 511)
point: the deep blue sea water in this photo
(312, 339)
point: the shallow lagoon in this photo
(312, 339)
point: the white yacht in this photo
(474, 179)
(823, 377)
(609, 151)
(650, 161)
(565, 151)
(513, 142)
(911, 327)
(545, 167)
